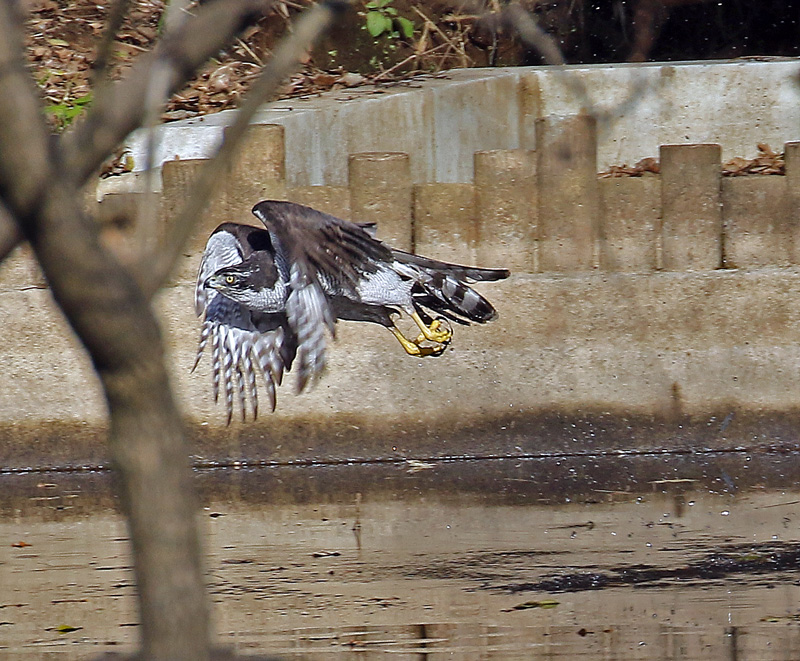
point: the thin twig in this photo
(518, 19)
(414, 56)
(154, 269)
(118, 108)
(436, 28)
(243, 45)
(102, 63)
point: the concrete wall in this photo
(642, 313)
(442, 121)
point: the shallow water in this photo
(653, 557)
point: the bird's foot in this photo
(414, 348)
(433, 333)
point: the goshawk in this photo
(267, 295)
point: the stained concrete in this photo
(660, 351)
(440, 122)
(609, 354)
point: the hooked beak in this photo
(212, 282)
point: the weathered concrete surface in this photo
(691, 209)
(736, 104)
(758, 225)
(569, 198)
(455, 239)
(381, 191)
(629, 231)
(506, 209)
(643, 358)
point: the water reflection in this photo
(692, 557)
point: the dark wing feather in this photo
(325, 255)
(463, 273)
(321, 244)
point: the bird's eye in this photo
(229, 279)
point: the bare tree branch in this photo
(114, 321)
(155, 269)
(518, 19)
(120, 108)
(102, 62)
(40, 180)
(10, 235)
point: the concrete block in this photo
(399, 122)
(629, 223)
(442, 121)
(381, 191)
(470, 114)
(310, 142)
(177, 178)
(334, 200)
(758, 230)
(569, 199)
(128, 227)
(691, 207)
(736, 104)
(792, 161)
(444, 222)
(258, 172)
(530, 108)
(506, 209)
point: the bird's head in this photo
(233, 281)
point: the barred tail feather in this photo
(445, 291)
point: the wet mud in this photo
(687, 557)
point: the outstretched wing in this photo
(243, 343)
(322, 255)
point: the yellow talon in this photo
(432, 332)
(413, 348)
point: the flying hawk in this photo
(266, 296)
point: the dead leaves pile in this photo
(645, 166)
(61, 43)
(766, 163)
(61, 48)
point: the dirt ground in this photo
(63, 35)
(384, 41)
